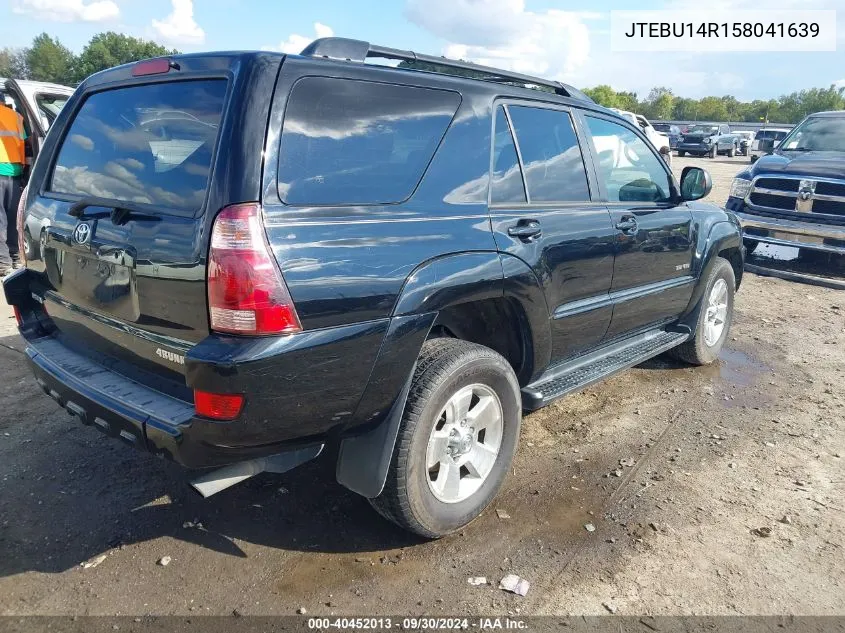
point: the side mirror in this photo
(696, 183)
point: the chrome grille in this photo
(798, 195)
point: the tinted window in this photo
(631, 171)
(554, 168)
(771, 134)
(507, 185)
(359, 142)
(50, 105)
(146, 144)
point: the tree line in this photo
(47, 59)
(662, 104)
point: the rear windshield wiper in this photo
(118, 214)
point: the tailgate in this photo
(119, 225)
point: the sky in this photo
(568, 40)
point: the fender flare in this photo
(367, 449)
(720, 236)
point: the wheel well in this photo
(499, 324)
(735, 259)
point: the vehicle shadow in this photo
(68, 493)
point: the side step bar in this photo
(583, 371)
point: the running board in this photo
(583, 371)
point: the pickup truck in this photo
(708, 139)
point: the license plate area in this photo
(100, 277)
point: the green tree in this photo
(609, 98)
(659, 103)
(106, 50)
(49, 60)
(13, 64)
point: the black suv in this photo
(796, 195)
(249, 255)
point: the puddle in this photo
(736, 368)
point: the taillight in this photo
(20, 224)
(246, 291)
(152, 67)
(18, 316)
(218, 406)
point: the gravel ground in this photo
(677, 469)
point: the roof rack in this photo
(341, 48)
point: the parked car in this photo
(672, 131)
(658, 139)
(39, 104)
(708, 139)
(795, 196)
(765, 141)
(252, 255)
(746, 137)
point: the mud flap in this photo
(364, 460)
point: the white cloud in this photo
(68, 10)
(179, 26)
(295, 42)
(502, 33)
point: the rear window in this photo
(147, 144)
(359, 142)
(771, 134)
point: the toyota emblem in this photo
(82, 233)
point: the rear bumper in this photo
(299, 390)
(141, 417)
(809, 235)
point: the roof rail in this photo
(345, 49)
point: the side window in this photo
(551, 157)
(630, 170)
(350, 142)
(506, 185)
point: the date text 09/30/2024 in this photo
(418, 623)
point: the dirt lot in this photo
(674, 467)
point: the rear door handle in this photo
(526, 230)
(627, 224)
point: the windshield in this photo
(703, 129)
(819, 134)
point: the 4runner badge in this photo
(171, 356)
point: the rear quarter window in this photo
(150, 145)
(359, 142)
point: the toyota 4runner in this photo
(246, 256)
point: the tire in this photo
(681, 153)
(714, 151)
(750, 245)
(732, 151)
(699, 350)
(753, 159)
(445, 369)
